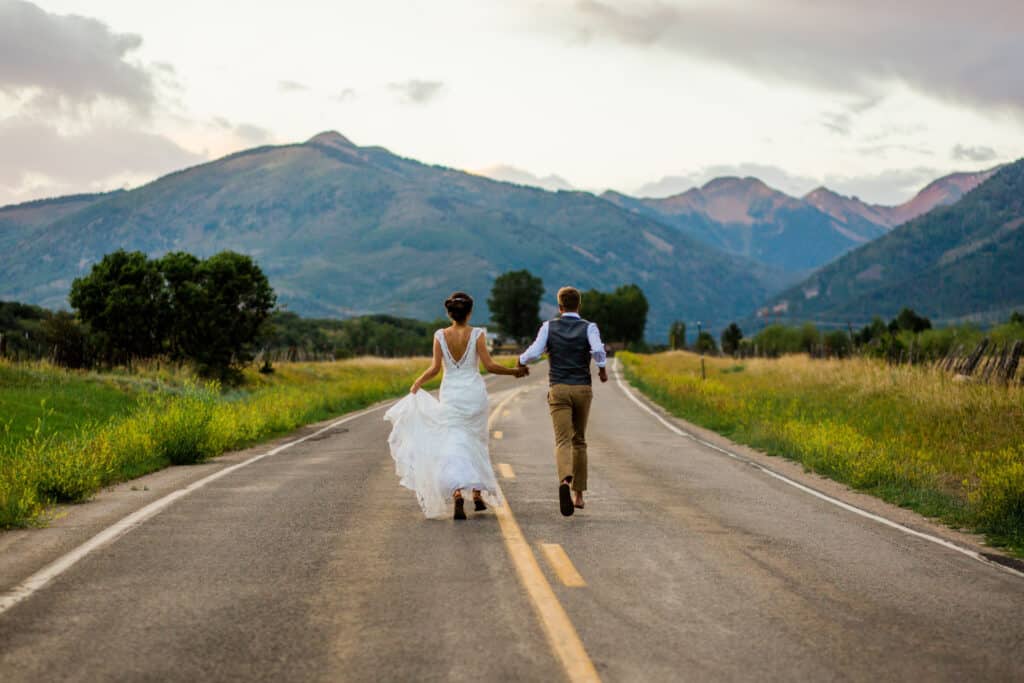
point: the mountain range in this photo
(956, 263)
(746, 217)
(342, 230)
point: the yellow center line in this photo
(559, 629)
(505, 470)
(559, 561)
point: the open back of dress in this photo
(441, 446)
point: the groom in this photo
(570, 341)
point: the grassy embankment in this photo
(64, 435)
(911, 435)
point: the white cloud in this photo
(246, 132)
(71, 58)
(416, 91)
(979, 153)
(291, 86)
(962, 52)
(889, 187)
(511, 174)
(614, 113)
(346, 95)
(38, 159)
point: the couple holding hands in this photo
(440, 446)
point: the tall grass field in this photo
(914, 436)
(66, 434)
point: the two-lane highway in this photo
(312, 564)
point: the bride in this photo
(440, 448)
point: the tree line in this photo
(219, 314)
(906, 336)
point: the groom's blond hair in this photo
(569, 298)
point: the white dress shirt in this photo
(540, 344)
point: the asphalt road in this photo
(686, 565)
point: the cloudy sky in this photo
(871, 98)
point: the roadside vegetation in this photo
(156, 367)
(910, 434)
(908, 337)
(64, 434)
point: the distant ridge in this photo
(958, 262)
(940, 192)
(16, 220)
(746, 217)
(84, 197)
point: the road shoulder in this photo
(67, 526)
(795, 471)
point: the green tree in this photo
(810, 337)
(67, 340)
(869, 333)
(910, 321)
(620, 315)
(705, 343)
(837, 343)
(235, 299)
(1017, 318)
(124, 302)
(677, 335)
(731, 337)
(630, 308)
(186, 304)
(515, 303)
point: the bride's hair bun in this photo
(459, 305)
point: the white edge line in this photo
(974, 555)
(43, 576)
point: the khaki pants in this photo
(569, 405)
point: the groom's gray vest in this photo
(568, 351)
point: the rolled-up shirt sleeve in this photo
(596, 345)
(538, 347)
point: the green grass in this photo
(38, 402)
(68, 434)
(913, 436)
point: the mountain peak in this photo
(734, 182)
(331, 138)
(821, 191)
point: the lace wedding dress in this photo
(441, 446)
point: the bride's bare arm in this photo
(488, 362)
(431, 372)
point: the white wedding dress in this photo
(441, 446)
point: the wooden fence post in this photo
(956, 359)
(1010, 369)
(974, 358)
(988, 362)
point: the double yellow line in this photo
(561, 634)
